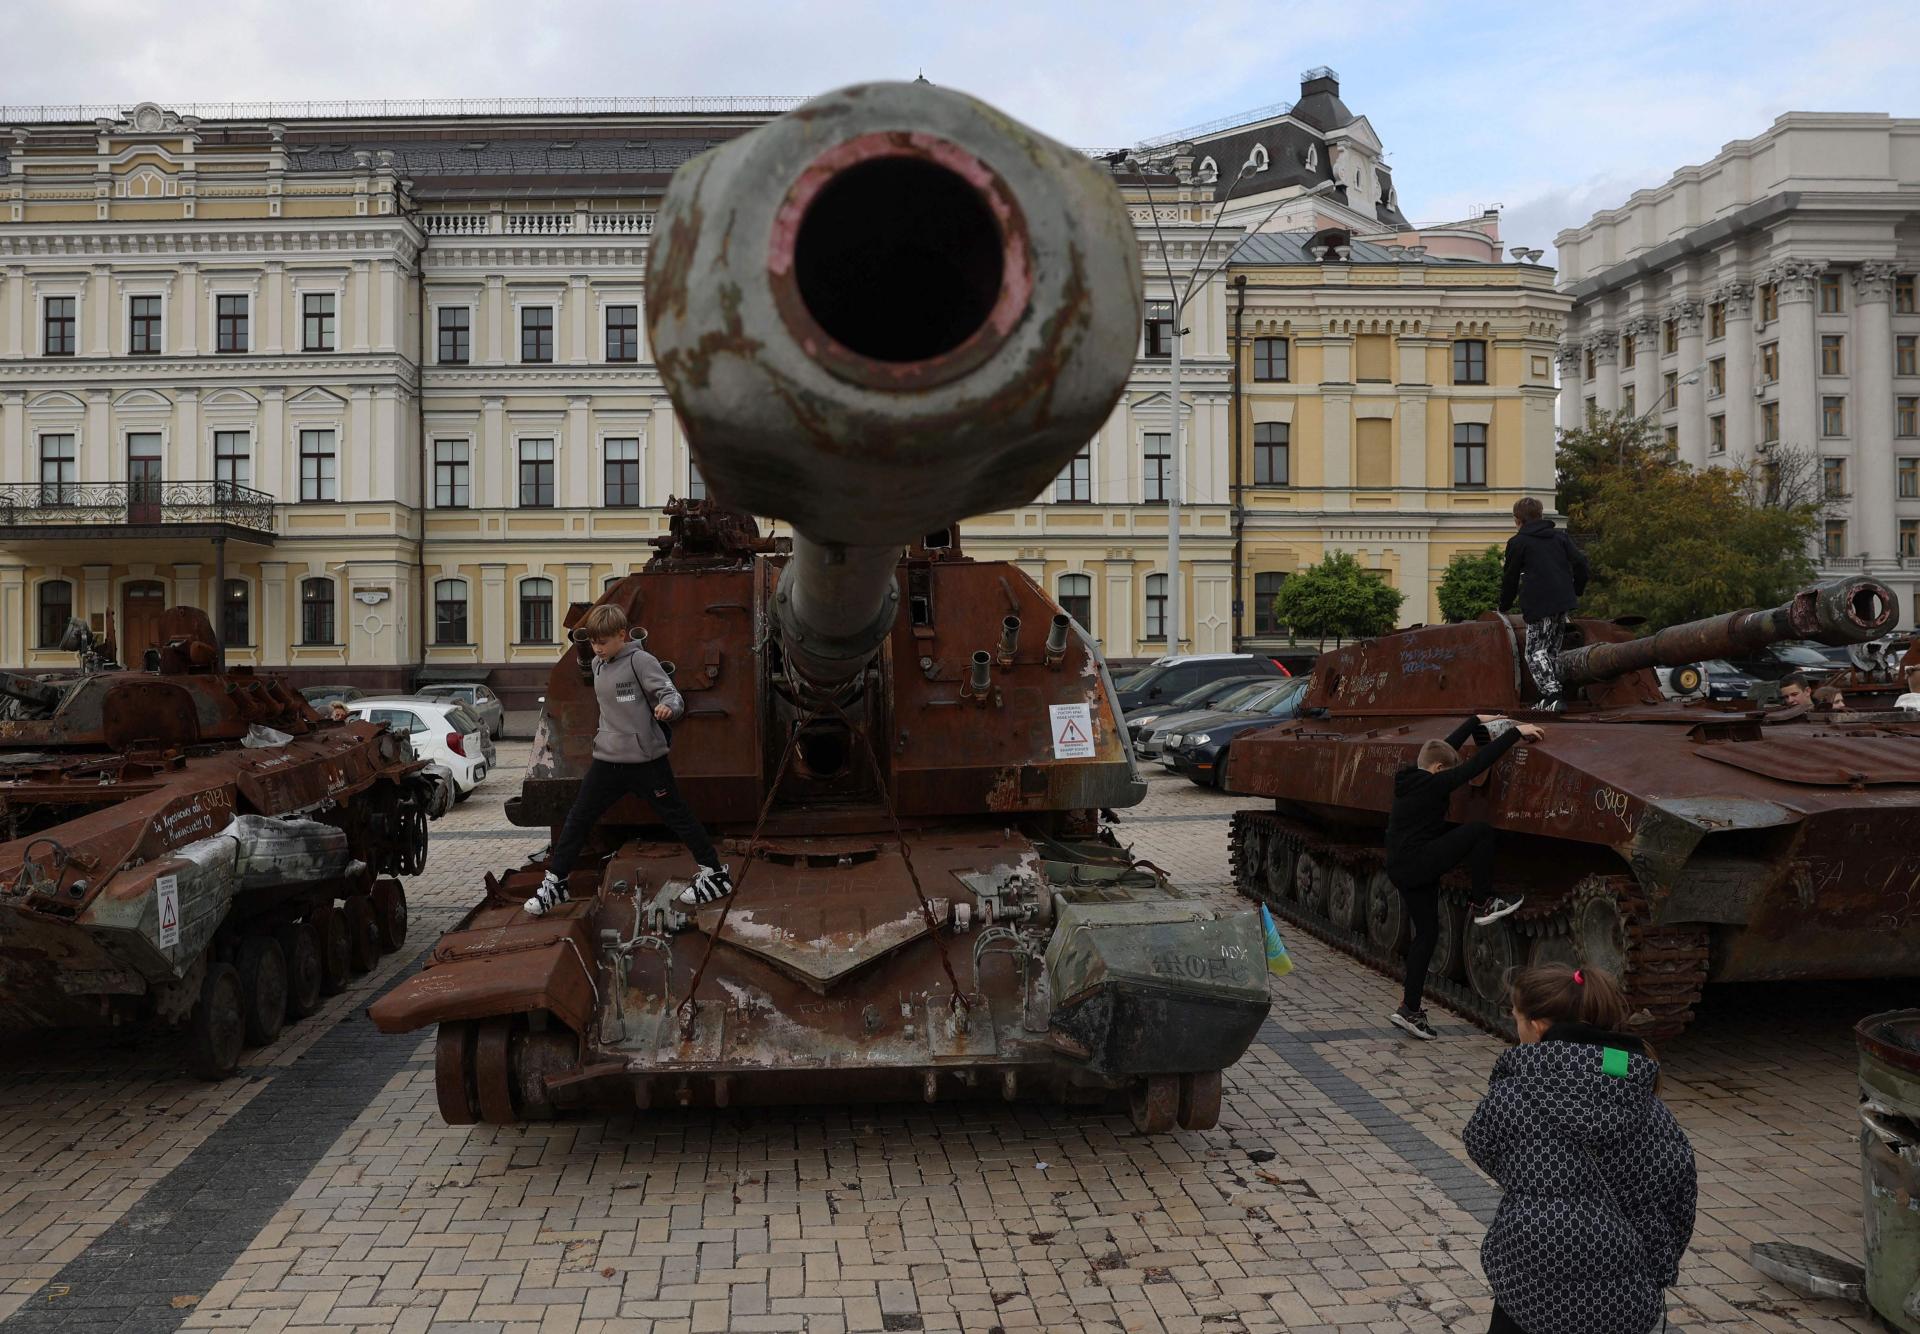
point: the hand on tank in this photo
(1531, 731)
(662, 712)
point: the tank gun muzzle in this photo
(890, 309)
(1839, 611)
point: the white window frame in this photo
(600, 439)
(300, 610)
(129, 291)
(54, 292)
(473, 328)
(216, 429)
(552, 438)
(607, 302)
(435, 439)
(433, 610)
(299, 470)
(554, 614)
(553, 303)
(300, 295)
(252, 295)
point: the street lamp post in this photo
(1196, 283)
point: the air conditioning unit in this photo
(1759, 391)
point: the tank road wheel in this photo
(1552, 946)
(390, 912)
(363, 933)
(1310, 885)
(300, 947)
(453, 1073)
(263, 988)
(1449, 953)
(1599, 936)
(336, 953)
(1283, 859)
(1386, 915)
(1493, 951)
(217, 1028)
(493, 1070)
(1346, 900)
(1154, 1103)
(1200, 1101)
(1250, 856)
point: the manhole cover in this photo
(1809, 1272)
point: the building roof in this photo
(1291, 248)
(429, 159)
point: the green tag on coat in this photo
(1613, 1062)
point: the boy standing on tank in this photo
(1422, 846)
(637, 700)
(1599, 1180)
(1548, 573)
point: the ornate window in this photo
(56, 608)
(232, 462)
(316, 322)
(623, 333)
(1157, 458)
(1470, 361)
(456, 335)
(317, 461)
(452, 473)
(1269, 359)
(316, 611)
(536, 333)
(230, 320)
(536, 611)
(1258, 159)
(1271, 464)
(1156, 607)
(58, 470)
(536, 474)
(450, 611)
(1469, 454)
(143, 326)
(60, 319)
(620, 468)
(1076, 599)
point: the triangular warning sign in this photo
(169, 912)
(1071, 733)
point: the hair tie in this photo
(1579, 978)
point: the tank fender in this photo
(539, 964)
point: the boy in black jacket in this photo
(1548, 573)
(1422, 847)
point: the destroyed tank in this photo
(193, 845)
(1672, 843)
(889, 310)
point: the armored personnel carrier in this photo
(891, 309)
(193, 845)
(1674, 843)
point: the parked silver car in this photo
(481, 702)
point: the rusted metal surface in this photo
(906, 785)
(1733, 842)
(151, 822)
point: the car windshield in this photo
(1799, 655)
(1213, 695)
(458, 717)
(1283, 698)
(1721, 667)
(1244, 696)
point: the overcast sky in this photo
(1551, 110)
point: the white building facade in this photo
(1764, 300)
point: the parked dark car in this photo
(1201, 751)
(1723, 681)
(1773, 661)
(1171, 678)
(1143, 722)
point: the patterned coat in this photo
(1599, 1181)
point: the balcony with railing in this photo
(629, 223)
(135, 509)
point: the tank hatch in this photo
(1823, 759)
(820, 938)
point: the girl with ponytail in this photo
(1599, 1178)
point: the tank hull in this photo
(1675, 843)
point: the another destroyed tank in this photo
(1673, 843)
(888, 310)
(193, 845)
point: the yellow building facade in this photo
(1391, 404)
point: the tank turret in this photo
(933, 315)
(1838, 612)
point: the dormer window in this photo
(1313, 157)
(1257, 159)
(1209, 169)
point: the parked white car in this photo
(443, 731)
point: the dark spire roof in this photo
(1320, 105)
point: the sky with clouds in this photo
(1551, 111)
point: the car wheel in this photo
(1220, 770)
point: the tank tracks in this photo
(1339, 893)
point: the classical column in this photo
(496, 318)
(270, 450)
(13, 319)
(1413, 438)
(577, 303)
(1116, 630)
(494, 612)
(1646, 363)
(357, 455)
(274, 629)
(1604, 344)
(1797, 281)
(1691, 314)
(273, 316)
(493, 470)
(362, 299)
(98, 312)
(576, 456)
(14, 465)
(16, 617)
(1742, 432)
(1571, 360)
(189, 461)
(185, 314)
(99, 455)
(1873, 482)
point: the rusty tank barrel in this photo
(888, 310)
(1839, 611)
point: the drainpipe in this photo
(420, 420)
(1239, 600)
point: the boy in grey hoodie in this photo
(636, 697)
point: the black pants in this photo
(605, 784)
(1417, 876)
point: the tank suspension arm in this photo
(1840, 611)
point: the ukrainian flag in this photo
(1279, 962)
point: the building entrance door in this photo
(141, 603)
(143, 478)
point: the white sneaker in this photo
(709, 886)
(1413, 1022)
(1497, 909)
(551, 894)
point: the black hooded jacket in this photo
(1545, 569)
(1599, 1180)
(1420, 799)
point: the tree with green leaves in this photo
(1471, 584)
(1676, 544)
(1338, 599)
(1606, 443)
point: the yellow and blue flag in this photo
(1279, 962)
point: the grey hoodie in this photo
(627, 686)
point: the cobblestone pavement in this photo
(319, 1188)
